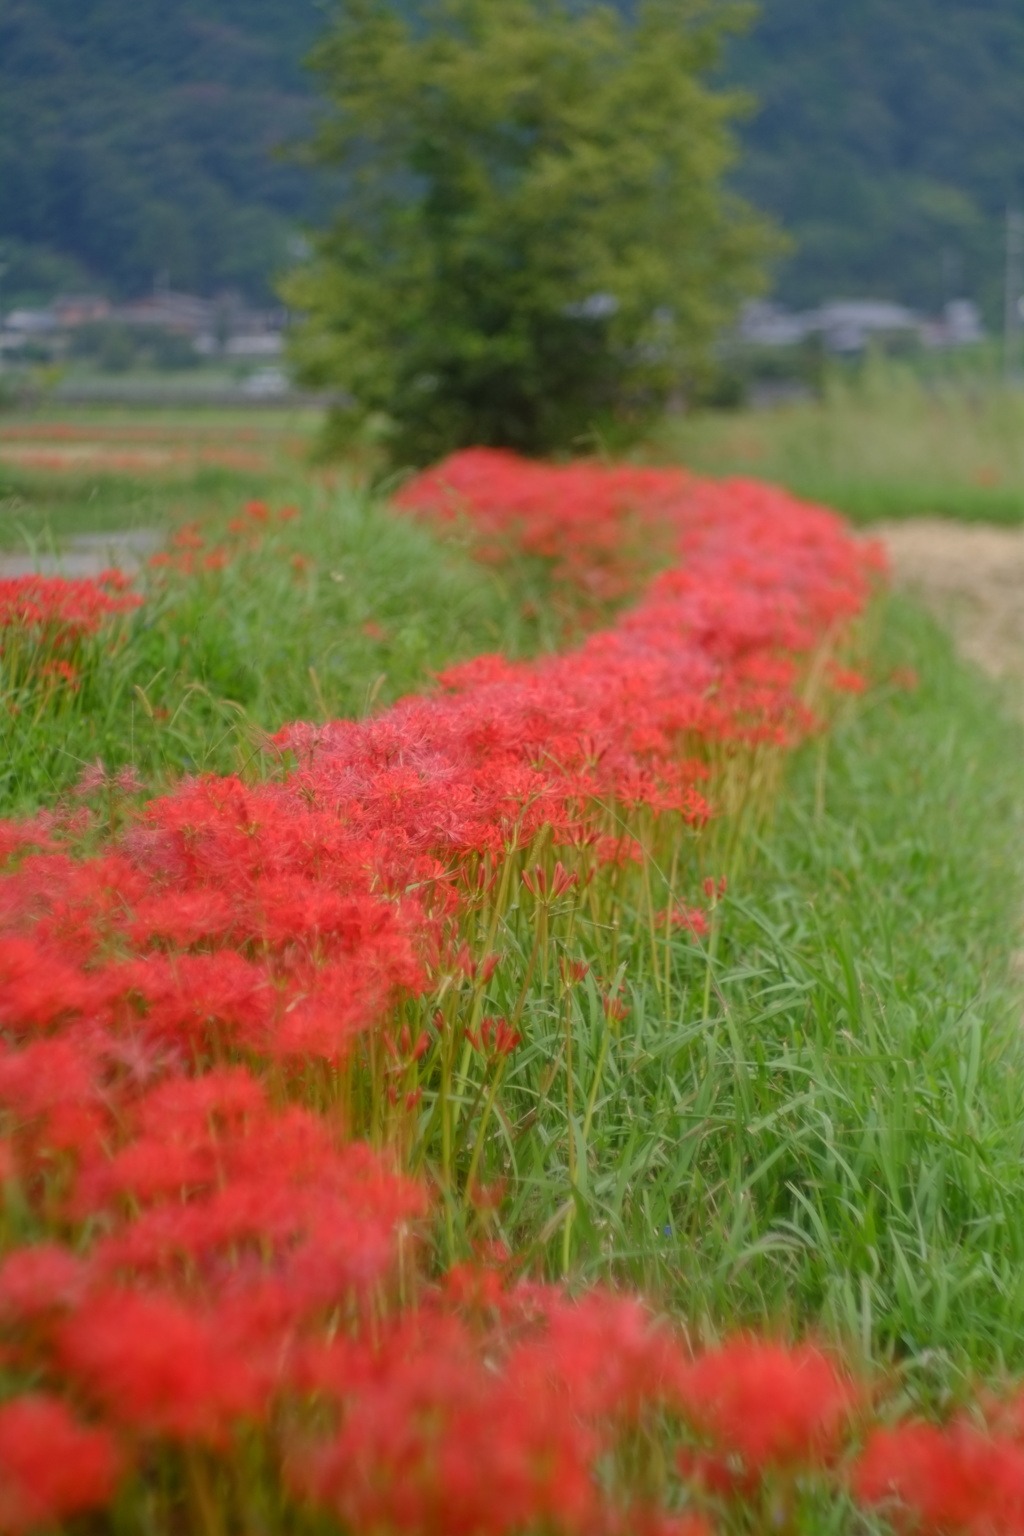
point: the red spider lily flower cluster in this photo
(54, 610)
(963, 1479)
(189, 553)
(715, 653)
(200, 1023)
(51, 1466)
(593, 524)
(44, 619)
(62, 609)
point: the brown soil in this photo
(972, 578)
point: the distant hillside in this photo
(137, 137)
(889, 141)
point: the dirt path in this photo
(970, 577)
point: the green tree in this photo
(534, 238)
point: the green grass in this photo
(882, 443)
(346, 607)
(837, 1141)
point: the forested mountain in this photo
(137, 137)
(889, 140)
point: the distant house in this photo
(30, 322)
(958, 326)
(182, 313)
(75, 309)
(221, 326)
(848, 326)
(255, 344)
(769, 325)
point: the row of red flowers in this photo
(45, 619)
(206, 1265)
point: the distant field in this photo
(67, 472)
(880, 445)
(883, 445)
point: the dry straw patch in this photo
(972, 578)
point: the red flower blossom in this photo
(159, 1368)
(771, 1405)
(39, 1281)
(51, 1467)
(692, 920)
(946, 1481)
(494, 1038)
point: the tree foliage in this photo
(534, 238)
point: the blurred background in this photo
(146, 209)
(152, 196)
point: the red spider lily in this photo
(59, 609)
(583, 518)
(51, 1466)
(957, 1479)
(769, 1404)
(159, 1368)
(572, 971)
(445, 1429)
(616, 1009)
(17, 837)
(62, 670)
(847, 680)
(127, 780)
(494, 1038)
(188, 537)
(44, 621)
(92, 778)
(538, 885)
(693, 920)
(39, 1281)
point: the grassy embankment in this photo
(326, 614)
(815, 1119)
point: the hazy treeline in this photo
(137, 137)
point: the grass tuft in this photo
(838, 1141)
